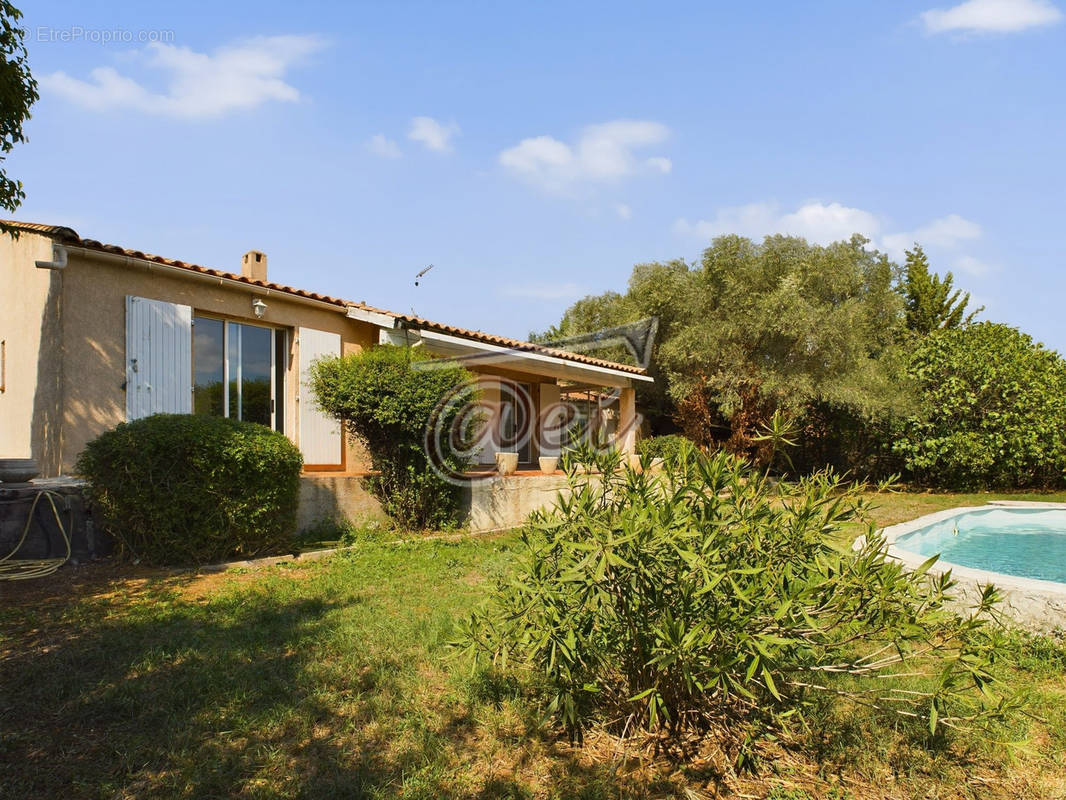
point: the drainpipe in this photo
(59, 258)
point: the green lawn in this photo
(334, 679)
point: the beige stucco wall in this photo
(29, 327)
(66, 339)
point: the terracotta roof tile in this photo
(70, 237)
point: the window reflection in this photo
(232, 364)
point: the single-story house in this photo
(94, 334)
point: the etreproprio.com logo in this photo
(77, 33)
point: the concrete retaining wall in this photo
(506, 502)
(325, 497)
(489, 504)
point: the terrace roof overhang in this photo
(480, 355)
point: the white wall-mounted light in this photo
(259, 307)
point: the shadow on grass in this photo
(253, 694)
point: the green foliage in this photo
(755, 328)
(18, 91)
(995, 411)
(700, 595)
(931, 304)
(391, 398)
(666, 447)
(178, 489)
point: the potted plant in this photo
(507, 463)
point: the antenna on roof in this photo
(418, 277)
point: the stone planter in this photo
(548, 464)
(18, 470)
(507, 463)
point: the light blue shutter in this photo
(158, 358)
(320, 434)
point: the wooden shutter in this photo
(158, 358)
(320, 434)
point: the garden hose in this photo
(12, 569)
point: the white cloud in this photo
(545, 291)
(948, 232)
(664, 165)
(823, 223)
(973, 266)
(603, 153)
(991, 16)
(238, 76)
(818, 222)
(434, 135)
(381, 145)
(623, 210)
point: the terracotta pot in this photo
(507, 463)
(18, 470)
(548, 464)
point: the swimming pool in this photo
(1025, 542)
(1020, 547)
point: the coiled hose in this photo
(12, 569)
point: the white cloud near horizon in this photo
(380, 145)
(823, 223)
(818, 222)
(602, 153)
(434, 135)
(948, 231)
(991, 16)
(234, 77)
(545, 291)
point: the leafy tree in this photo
(994, 411)
(931, 303)
(392, 401)
(701, 597)
(752, 329)
(18, 91)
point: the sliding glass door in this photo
(236, 371)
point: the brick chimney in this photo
(254, 265)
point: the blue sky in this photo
(534, 152)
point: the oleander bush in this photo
(665, 447)
(177, 489)
(705, 596)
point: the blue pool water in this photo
(1017, 541)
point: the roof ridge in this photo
(70, 236)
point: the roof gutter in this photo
(131, 261)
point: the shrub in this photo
(675, 600)
(664, 447)
(995, 411)
(391, 402)
(178, 489)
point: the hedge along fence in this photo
(176, 489)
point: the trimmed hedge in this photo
(178, 489)
(398, 409)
